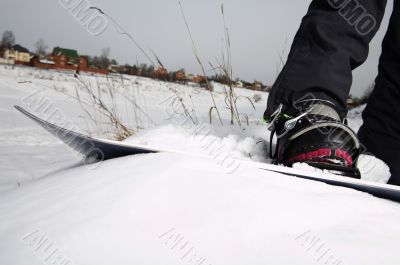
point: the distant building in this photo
(122, 69)
(180, 76)
(258, 86)
(6, 61)
(71, 55)
(161, 73)
(189, 77)
(198, 79)
(67, 59)
(18, 54)
(239, 84)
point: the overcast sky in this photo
(259, 31)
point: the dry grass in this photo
(196, 54)
(103, 105)
(224, 67)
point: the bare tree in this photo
(41, 48)
(105, 52)
(7, 40)
(104, 61)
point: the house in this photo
(198, 79)
(18, 54)
(189, 77)
(71, 55)
(66, 59)
(180, 76)
(239, 84)
(161, 73)
(6, 61)
(121, 69)
(44, 63)
(258, 86)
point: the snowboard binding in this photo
(312, 132)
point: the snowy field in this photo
(169, 208)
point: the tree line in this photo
(103, 61)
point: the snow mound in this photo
(305, 166)
(206, 141)
(153, 209)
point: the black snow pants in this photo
(333, 40)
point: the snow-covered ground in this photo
(169, 208)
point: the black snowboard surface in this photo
(91, 147)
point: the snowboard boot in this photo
(312, 132)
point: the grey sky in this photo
(259, 29)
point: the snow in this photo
(207, 140)
(171, 208)
(117, 213)
(373, 169)
(46, 61)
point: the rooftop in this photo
(71, 54)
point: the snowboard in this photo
(95, 149)
(91, 147)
